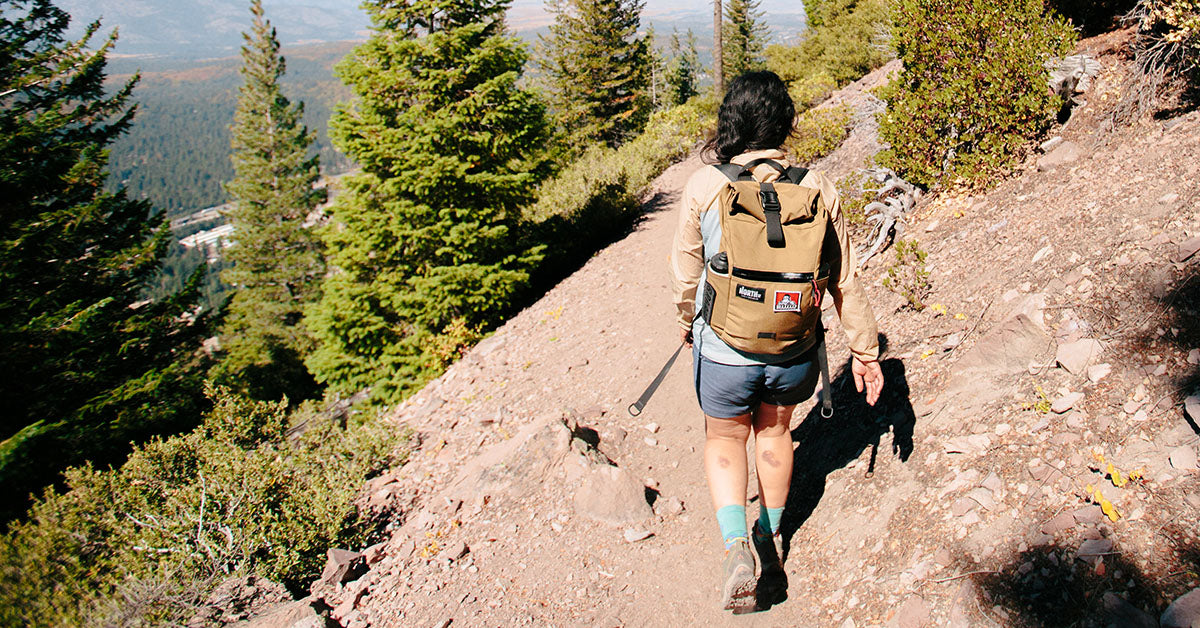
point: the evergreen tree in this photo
(683, 69)
(277, 263)
(599, 69)
(718, 49)
(421, 239)
(745, 37)
(87, 366)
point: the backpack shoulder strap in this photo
(795, 174)
(731, 171)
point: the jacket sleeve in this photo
(687, 255)
(845, 285)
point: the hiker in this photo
(742, 391)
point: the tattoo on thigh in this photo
(723, 461)
(769, 456)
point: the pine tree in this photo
(420, 240)
(88, 366)
(599, 68)
(744, 38)
(683, 68)
(277, 262)
(718, 49)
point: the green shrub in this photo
(596, 197)
(848, 38)
(973, 90)
(149, 539)
(810, 90)
(907, 276)
(819, 132)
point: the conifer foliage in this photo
(420, 240)
(277, 262)
(599, 68)
(683, 69)
(744, 38)
(87, 366)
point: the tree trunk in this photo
(718, 56)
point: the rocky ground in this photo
(1060, 338)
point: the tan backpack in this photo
(764, 287)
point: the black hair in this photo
(757, 113)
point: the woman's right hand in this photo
(686, 336)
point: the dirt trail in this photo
(959, 500)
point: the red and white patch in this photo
(787, 301)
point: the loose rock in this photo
(343, 566)
(1184, 612)
(613, 496)
(633, 535)
(1183, 458)
(1093, 548)
(1076, 356)
(1066, 402)
(1097, 372)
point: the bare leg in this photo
(773, 452)
(725, 459)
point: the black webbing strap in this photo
(731, 171)
(751, 165)
(823, 362)
(771, 212)
(795, 174)
(645, 398)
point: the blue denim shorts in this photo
(726, 391)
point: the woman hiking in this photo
(742, 391)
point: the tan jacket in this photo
(687, 252)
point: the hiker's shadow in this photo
(825, 445)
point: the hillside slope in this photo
(959, 500)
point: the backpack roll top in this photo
(764, 287)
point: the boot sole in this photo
(739, 589)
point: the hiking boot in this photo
(768, 553)
(772, 583)
(738, 569)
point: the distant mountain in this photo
(212, 28)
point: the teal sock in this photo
(768, 520)
(732, 520)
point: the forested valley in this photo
(176, 415)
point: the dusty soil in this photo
(959, 500)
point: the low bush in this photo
(819, 132)
(809, 91)
(907, 276)
(848, 38)
(147, 541)
(1169, 35)
(596, 197)
(973, 92)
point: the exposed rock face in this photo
(516, 464)
(298, 614)
(343, 566)
(1064, 153)
(612, 496)
(239, 598)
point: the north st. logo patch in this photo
(787, 301)
(751, 294)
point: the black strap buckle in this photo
(769, 200)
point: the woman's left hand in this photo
(867, 375)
